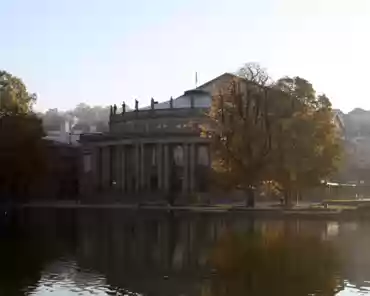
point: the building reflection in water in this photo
(167, 253)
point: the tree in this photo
(14, 97)
(21, 147)
(53, 119)
(240, 135)
(241, 130)
(307, 147)
(263, 131)
(82, 117)
(253, 72)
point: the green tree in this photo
(22, 149)
(14, 97)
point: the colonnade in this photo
(145, 167)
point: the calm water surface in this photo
(115, 252)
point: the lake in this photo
(120, 252)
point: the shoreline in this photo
(257, 211)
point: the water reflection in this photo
(115, 252)
(278, 264)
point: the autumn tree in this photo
(21, 145)
(240, 135)
(263, 131)
(307, 147)
(241, 131)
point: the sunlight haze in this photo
(106, 52)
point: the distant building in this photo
(67, 133)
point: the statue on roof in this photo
(171, 102)
(136, 105)
(123, 108)
(152, 104)
(114, 109)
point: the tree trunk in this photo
(250, 195)
(288, 198)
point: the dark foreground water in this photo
(115, 252)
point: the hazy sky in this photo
(104, 52)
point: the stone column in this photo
(130, 171)
(105, 167)
(166, 167)
(159, 166)
(137, 167)
(95, 166)
(192, 167)
(117, 167)
(99, 165)
(185, 180)
(209, 156)
(123, 168)
(142, 166)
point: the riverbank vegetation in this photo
(22, 150)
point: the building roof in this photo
(202, 99)
(54, 143)
(225, 75)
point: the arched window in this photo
(178, 155)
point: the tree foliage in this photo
(21, 146)
(253, 72)
(82, 117)
(278, 131)
(307, 145)
(14, 97)
(241, 134)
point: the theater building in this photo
(152, 149)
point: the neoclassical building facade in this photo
(152, 149)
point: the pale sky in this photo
(106, 52)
